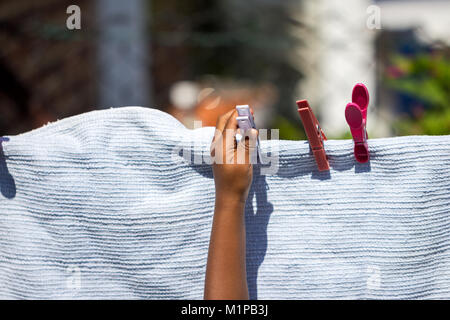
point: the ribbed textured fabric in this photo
(101, 206)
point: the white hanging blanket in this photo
(106, 205)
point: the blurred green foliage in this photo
(288, 130)
(426, 78)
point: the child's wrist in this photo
(231, 200)
(232, 195)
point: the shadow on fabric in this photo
(256, 222)
(7, 184)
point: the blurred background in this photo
(197, 59)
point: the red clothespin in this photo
(356, 116)
(314, 133)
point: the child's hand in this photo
(226, 276)
(232, 166)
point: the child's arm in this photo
(226, 276)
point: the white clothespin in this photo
(246, 122)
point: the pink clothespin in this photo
(356, 116)
(314, 133)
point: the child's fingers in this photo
(230, 132)
(232, 122)
(220, 125)
(246, 149)
(222, 120)
(217, 148)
